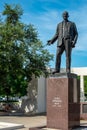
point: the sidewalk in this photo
(25, 120)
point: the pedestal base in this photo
(63, 102)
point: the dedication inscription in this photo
(56, 102)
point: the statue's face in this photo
(65, 16)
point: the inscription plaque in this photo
(56, 102)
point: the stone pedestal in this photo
(63, 101)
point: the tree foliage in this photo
(22, 54)
(85, 85)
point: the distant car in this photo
(2, 98)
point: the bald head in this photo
(65, 15)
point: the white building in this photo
(81, 71)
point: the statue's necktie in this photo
(65, 28)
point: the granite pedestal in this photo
(63, 101)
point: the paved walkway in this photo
(26, 121)
(30, 121)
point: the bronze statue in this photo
(67, 35)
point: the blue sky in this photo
(46, 14)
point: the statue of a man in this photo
(67, 35)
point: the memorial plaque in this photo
(56, 102)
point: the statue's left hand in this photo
(73, 44)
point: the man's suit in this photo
(67, 34)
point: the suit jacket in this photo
(71, 33)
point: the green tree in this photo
(85, 85)
(22, 54)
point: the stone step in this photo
(10, 126)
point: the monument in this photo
(63, 89)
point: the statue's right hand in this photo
(49, 42)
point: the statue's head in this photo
(65, 15)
